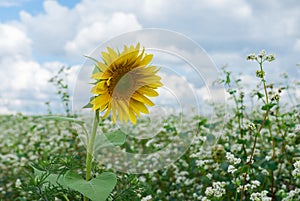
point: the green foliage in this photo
(97, 189)
(60, 81)
(254, 158)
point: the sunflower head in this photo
(124, 81)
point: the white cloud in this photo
(297, 45)
(232, 8)
(11, 3)
(228, 29)
(91, 35)
(61, 31)
(24, 81)
(50, 30)
(13, 42)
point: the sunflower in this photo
(124, 81)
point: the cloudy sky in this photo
(38, 37)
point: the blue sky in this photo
(10, 9)
(38, 37)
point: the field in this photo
(252, 154)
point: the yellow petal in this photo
(137, 47)
(134, 109)
(96, 90)
(155, 85)
(139, 97)
(124, 108)
(147, 59)
(100, 101)
(112, 53)
(132, 117)
(101, 66)
(148, 91)
(138, 106)
(99, 88)
(97, 76)
(120, 111)
(113, 107)
(107, 111)
(106, 57)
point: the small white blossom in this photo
(142, 179)
(231, 159)
(217, 190)
(265, 172)
(255, 183)
(205, 199)
(292, 195)
(147, 198)
(18, 183)
(209, 191)
(231, 169)
(296, 171)
(260, 196)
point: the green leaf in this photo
(115, 138)
(259, 95)
(243, 169)
(202, 122)
(272, 165)
(89, 105)
(59, 118)
(268, 106)
(53, 179)
(97, 189)
(91, 58)
(259, 121)
(241, 141)
(228, 79)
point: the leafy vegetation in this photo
(255, 157)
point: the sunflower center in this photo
(123, 85)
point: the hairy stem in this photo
(90, 149)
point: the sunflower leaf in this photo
(115, 138)
(97, 189)
(89, 105)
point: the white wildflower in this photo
(260, 196)
(18, 183)
(217, 190)
(147, 198)
(296, 171)
(231, 159)
(255, 184)
(231, 169)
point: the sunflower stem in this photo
(90, 149)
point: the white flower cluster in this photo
(205, 199)
(292, 195)
(231, 159)
(262, 196)
(250, 186)
(231, 169)
(217, 190)
(296, 171)
(147, 198)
